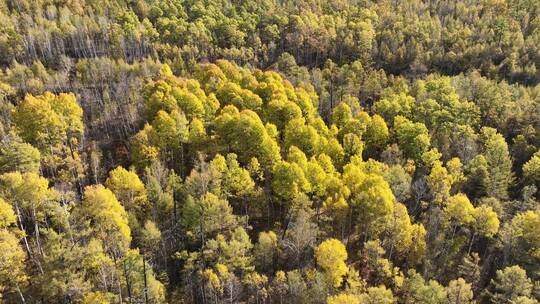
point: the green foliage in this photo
(379, 294)
(289, 181)
(141, 279)
(396, 104)
(417, 290)
(526, 226)
(30, 192)
(486, 221)
(499, 164)
(232, 251)
(413, 138)
(510, 284)
(265, 250)
(531, 169)
(16, 155)
(244, 134)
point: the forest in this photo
(269, 151)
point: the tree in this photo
(289, 181)
(417, 290)
(169, 132)
(303, 136)
(140, 282)
(244, 134)
(281, 111)
(486, 221)
(399, 232)
(531, 169)
(370, 195)
(206, 216)
(7, 215)
(231, 250)
(32, 200)
(16, 155)
(53, 124)
(341, 114)
(143, 153)
(300, 238)
(440, 183)
(343, 298)
(476, 174)
(509, 284)
(169, 93)
(499, 164)
(470, 269)
(364, 127)
(418, 243)
(266, 250)
(525, 300)
(394, 105)
(95, 297)
(164, 139)
(231, 93)
(413, 138)
(61, 274)
(128, 189)
(107, 219)
(236, 182)
(399, 181)
(12, 266)
(526, 226)
(459, 292)
(150, 238)
(376, 135)
(459, 210)
(331, 256)
(48, 119)
(378, 295)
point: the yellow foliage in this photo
(331, 256)
(343, 298)
(128, 188)
(109, 219)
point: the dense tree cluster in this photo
(179, 151)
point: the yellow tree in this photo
(343, 298)
(289, 181)
(128, 189)
(31, 198)
(53, 124)
(331, 256)
(12, 257)
(107, 219)
(440, 183)
(48, 119)
(371, 196)
(244, 134)
(459, 211)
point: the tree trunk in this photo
(145, 283)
